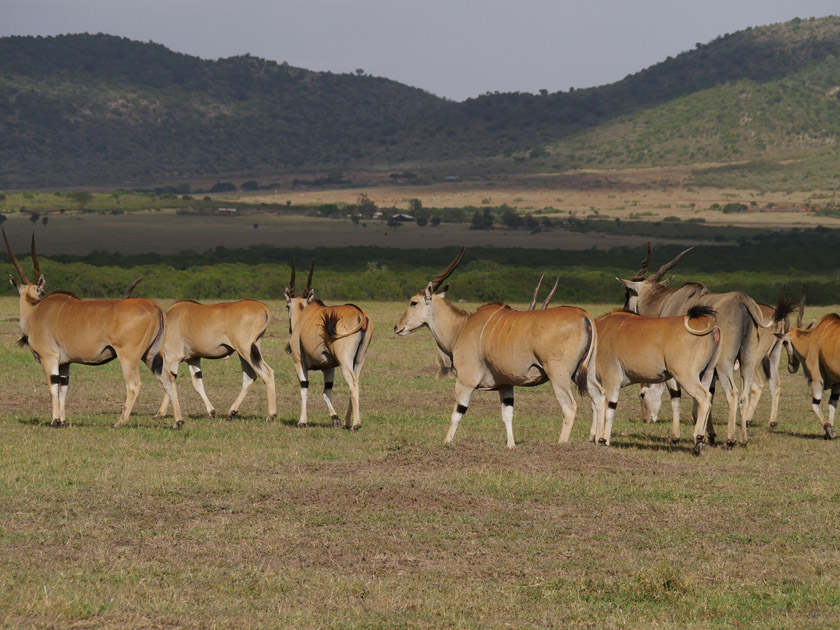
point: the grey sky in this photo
(453, 48)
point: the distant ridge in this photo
(97, 109)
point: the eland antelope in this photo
(817, 349)
(737, 315)
(636, 349)
(214, 331)
(497, 348)
(323, 338)
(61, 329)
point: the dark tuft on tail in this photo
(288, 348)
(700, 310)
(330, 323)
(784, 307)
(23, 341)
(581, 376)
(157, 364)
(256, 355)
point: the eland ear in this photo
(42, 282)
(442, 292)
(310, 296)
(428, 292)
(631, 285)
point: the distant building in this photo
(228, 211)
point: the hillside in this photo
(83, 109)
(99, 108)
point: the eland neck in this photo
(445, 321)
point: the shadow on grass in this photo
(800, 435)
(645, 442)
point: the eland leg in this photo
(830, 433)
(463, 393)
(352, 383)
(608, 406)
(816, 392)
(131, 374)
(197, 380)
(506, 398)
(303, 379)
(561, 383)
(675, 393)
(700, 393)
(775, 383)
(329, 381)
(52, 372)
(248, 378)
(64, 382)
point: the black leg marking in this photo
(328, 386)
(712, 390)
(816, 401)
(833, 399)
(507, 402)
(198, 375)
(64, 380)
(675, 393)
(461, 409)
(304, 384)
(55, 379)
(613, 404)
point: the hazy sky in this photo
(452, 48)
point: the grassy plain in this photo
(251, 524)
(650, 194)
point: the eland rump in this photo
(324, 338)
(61, 329)
(497, 348)
(214, 331)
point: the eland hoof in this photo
(301, 425)
(730, 444)
(773, 424)
(830, 433)
(336, 421)
(212, 414)
(232, 414)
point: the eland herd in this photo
(688, 338)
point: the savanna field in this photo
(248, 523)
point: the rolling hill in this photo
(96, 109)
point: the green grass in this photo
(251, 524)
